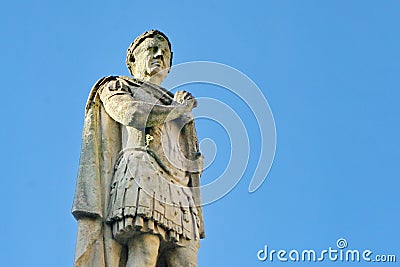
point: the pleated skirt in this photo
(145, 198)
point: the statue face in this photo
(152, 56)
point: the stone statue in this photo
(137, 199)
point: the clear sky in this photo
(329, 70)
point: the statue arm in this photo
(128, 110)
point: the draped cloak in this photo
(101, 144)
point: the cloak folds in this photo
(101, 144)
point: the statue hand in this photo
(185, 98)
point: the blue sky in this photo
(330, 73)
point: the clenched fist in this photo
(185, 98)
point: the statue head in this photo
(149, 56)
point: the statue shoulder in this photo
(118, 83)
(104, 80)
(97, 87)
(111, 85)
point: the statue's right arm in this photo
(125, 108)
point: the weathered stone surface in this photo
(137, 199)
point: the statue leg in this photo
(143, 250)
(182, 257)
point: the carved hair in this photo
(130, 58)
